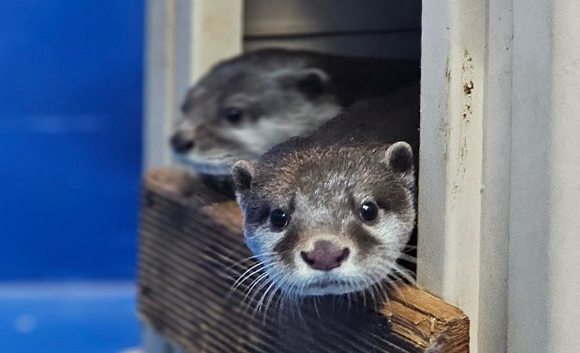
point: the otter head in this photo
(328, 220)
(248, 104)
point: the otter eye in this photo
(278, 218)
(369, 211)
(233, 115)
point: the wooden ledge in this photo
(190, 254)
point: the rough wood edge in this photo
(417, 317)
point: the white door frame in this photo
(465, 161)
(184, 39)
(500, 169)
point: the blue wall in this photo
(70, 138)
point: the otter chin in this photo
(332, 213)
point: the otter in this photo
(332, 212)
(247, 104)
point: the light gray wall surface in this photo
(292, 17)
(544, 280)
(384, 28)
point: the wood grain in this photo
(191, 252)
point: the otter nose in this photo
(181, 142)
(325, 256)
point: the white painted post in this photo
(564, 247)
(465, 158)
(492, 315)
(530, 194)
(184, 39)
(217, 32)
(158, 103)
(544, 285)
(515, 136)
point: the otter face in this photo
(329, 221)
(240, 110)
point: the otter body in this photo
(248, 104)
(331, 213)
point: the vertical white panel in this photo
(564, 247)
(496, 178)
(158, 81)
(184, 39)
(544, 285)
(434, 95)
(217, 32)
(529, 212)
(465, 161)
(182, 54)
(453, 61)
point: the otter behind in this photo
(247, 104)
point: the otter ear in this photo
(243, 174)
(187, 102)
(311, 82)
(399, 157)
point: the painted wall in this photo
(544, 284)
(383, 28)
(70, 138)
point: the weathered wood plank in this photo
(192, 251)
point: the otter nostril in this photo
(181, 143)
(306, 258)
(325, 256)
(344, 255)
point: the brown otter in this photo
(247, 104)
(332, 212)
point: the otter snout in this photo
(325, 256)
(182, 142)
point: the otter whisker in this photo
(260, 302)
(242, 279)
(279, 285)
(239, 280)
(259, 289)
(240, 262)
(398, 254)
(253, 285)
(408, 248)
(379, 277)
(392, 284)
(316, 307)
(370, 286)
(408, 258)
(403, 274)
(377, 290)
(288, 296)
(348, 301)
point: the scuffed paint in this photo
(468, 87)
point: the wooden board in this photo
(192, 251)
